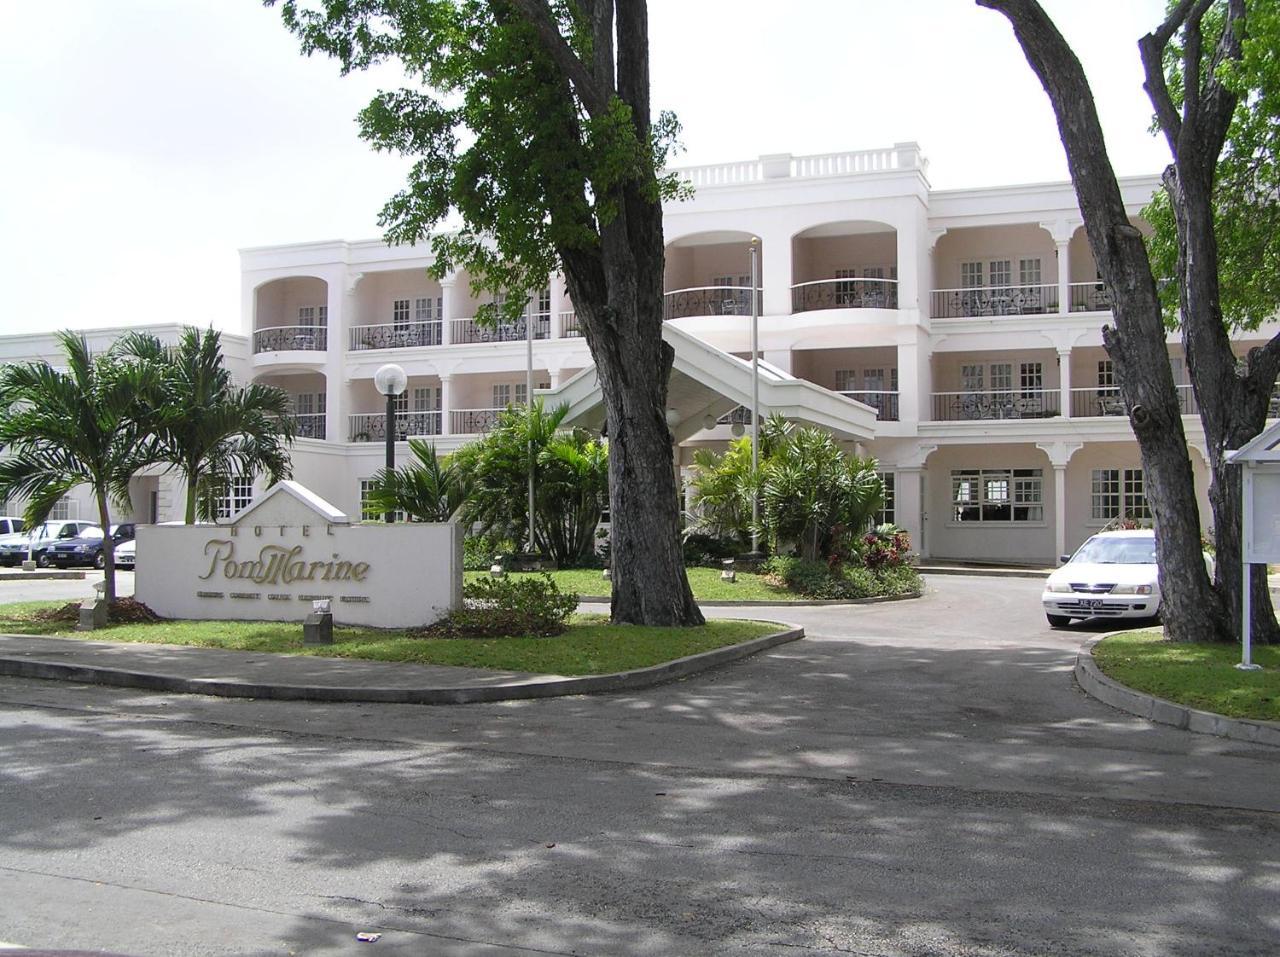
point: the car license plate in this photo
(1091, 602)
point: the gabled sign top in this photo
(288, 502)
(1263, 447)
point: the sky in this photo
(146, 141)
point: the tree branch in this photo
(538, 14)
(1151, 47)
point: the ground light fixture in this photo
(391, 381)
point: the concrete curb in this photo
(1109, 691)
(754, 603)
(975, 571)
(44, 573)
(549, 687)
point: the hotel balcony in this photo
(975, 302)
(1102, 401)
(708, 301)
(885, 403)
(290, 339)
(372, 427)
(991, 404)
(468, 331)
(310, 425)
(866, 293)
(396, 335)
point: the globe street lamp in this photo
(391, 381)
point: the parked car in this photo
(1112, 575)
(10, 525)
(38, 540)
(87, 548)
(127, 554)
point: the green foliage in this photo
(815, 496)
(885, 546)
(84, 426)
(479, 551)
(532, 160)
(427, 490)
(722, 488)
(205, 426)
(1247, 183)
(531, 605)
(835, 582)
(571, 480)
(708, 550)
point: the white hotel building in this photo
(954, 335)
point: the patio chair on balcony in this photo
(1110, 403)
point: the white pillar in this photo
(908, 251)
(447, 306)
(1064, 277)
(1059, 509)
(907, 513)
(1064, 378)
(446, 401)
(559, 298)
(775, 272)
(909, 397)
(781, 358)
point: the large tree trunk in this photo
(1192, 609)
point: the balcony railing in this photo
(467, 331)
(396, 335)
(992, 404)
(1090, 297)
(289, 338)
(994, 301)
(472, 421)
(844, 294)
(366, 427)
(708, 301)
(569, 327)
(885, 403)
(1106, 400)
(309, 425)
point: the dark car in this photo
(15, 548)
(86, 549)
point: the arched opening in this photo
(291, 314)
(845, 265)
(709, 274)
(1009, 270)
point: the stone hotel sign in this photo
(289, 548)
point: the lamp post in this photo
(755, 395)
(390, 380)
(528, 398)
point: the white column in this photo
(558, 299)
(447, 306)
(775, 272)
(908, 251)
(909, 397)
(907, 513)
(1064, 277)
(1064, 374)
(1059, 509)
(446, 399)
(777, 357)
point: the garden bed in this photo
(1201, 676)
(590, 645)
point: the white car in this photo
(1112, 575)
(127, 554)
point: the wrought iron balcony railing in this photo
(1090, 297)
(467, 331)
(844, 294)
(309, 425)
(472, 421)
(885, 403)
(372, 427)
(996, 404)
(708, 301)
(396, 335)
(291, 338)
(994, 301)
(1106, 400)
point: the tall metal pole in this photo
(528, 398)
(1246, 569)
(755, 395)
(391, 444)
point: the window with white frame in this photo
(425, 309)
(888, 511)
(400, 403)
(997, 496)
(61, 509)
(1001, 274)
(846, 380)
(501, 395)
(544, 302)
(236, 495)
(972, 378)
(367, 514)
(426, 399)
(1029, 272)
(313, 315)
(1002, 377)
(522, 393)
(971, 275)
(400, 313)
(1118, 493)
(308, 403)
(1031, 378)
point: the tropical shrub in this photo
(885, 546)
(528, 606)
(480, 551)
(428, 489)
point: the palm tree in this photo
(208, 429)
(79, 427)
(427, 489)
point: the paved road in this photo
(917, 778)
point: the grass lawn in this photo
(1197, 675)
(705, 582)
(590, 646)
